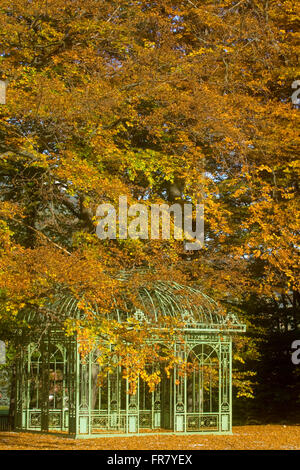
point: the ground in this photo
(282, 437)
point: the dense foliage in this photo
(162, 102)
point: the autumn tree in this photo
(162, 102)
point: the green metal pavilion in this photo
(58, 392)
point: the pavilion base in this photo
(161, 432)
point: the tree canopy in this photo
(162, 102)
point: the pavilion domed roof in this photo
(189, 304)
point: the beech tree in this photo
(162, 102)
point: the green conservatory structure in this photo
(58, 392)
